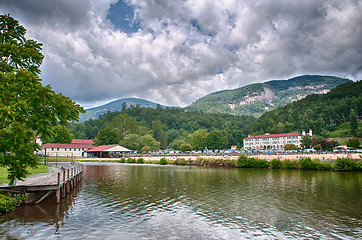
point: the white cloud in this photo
(183, 46)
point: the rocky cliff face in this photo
(256, 99)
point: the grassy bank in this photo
(9, 201)
(32, 171)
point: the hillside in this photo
(258, 98)
(323, 113)
(93, 113)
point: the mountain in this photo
(323, 113)
(258, 98)
(93, 113)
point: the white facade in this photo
(274, 141)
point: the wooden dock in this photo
(60, 182)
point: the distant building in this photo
(274, 141)
(107, 151)
(76, 149)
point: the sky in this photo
(174, 52)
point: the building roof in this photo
(109, 148)
(67, 145)
(275, 135)
(83, 141)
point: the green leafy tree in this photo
(27, 108)
(106, 136)
(199, 139)
(132, 141)
(148, 140)
(353, 123)
(307, 141)
(61, 134)
(216, 140)
(353, 142)
(185, 147)
(290, 146)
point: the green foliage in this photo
(249, 162)
(122, 160)
(163, 161)
(276, 163)
(181, 161)
(290, 146)
(306, 164)
(27, 108)
(317, 147)
(106, 136)
(8, 202)
(323, 112)
(353, 142)
(353, 123)
(324, 144)
(307, 141)
(273, 94)
(199, 139)
(61, 134)
(131, 160)
(140, 160)
(345, 164)
(185, 147)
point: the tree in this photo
(353, 143)
(106, 136)
(27, 108)
(307, 141)
(185, 147)
(290, 146)
(353, 123)
(61, 134)
(325, 145)
(132, 141)
(199, 139)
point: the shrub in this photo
(181, 161)
(306, 164)
(163, 161)
(317, 164)
(275, 163)
(249, 162)
(287, 164)
(131, 160)
(8, 202)
(122, 160)
(345, 164)
(140, 160)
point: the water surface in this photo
(120, 201)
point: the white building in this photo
(274, 141)
(76, 149)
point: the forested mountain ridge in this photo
(321, 112)
(256, 99)
(117, 105)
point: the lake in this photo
(129, 201)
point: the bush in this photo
(287, 164)
(249, 162)
(163, 161)
(131, 160)
(275, 163)
(181, 161)
(318, 165)
(306, 164)
(140, 160)
(8, 202)
(345, 164)
(122, 160)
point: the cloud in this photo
(184, 50)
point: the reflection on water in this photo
(119, 201)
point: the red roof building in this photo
(274, 141)
(83, 141)
(107, 151)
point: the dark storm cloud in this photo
(186, 49)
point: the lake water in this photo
(120, 201)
